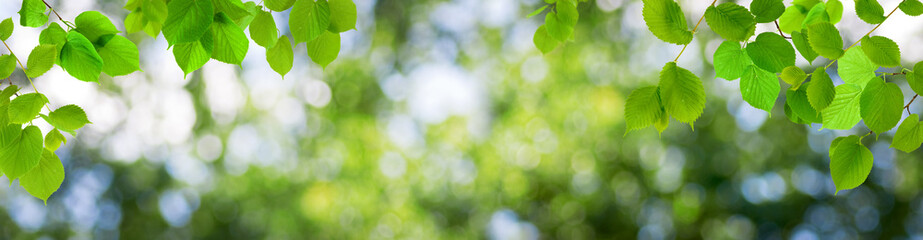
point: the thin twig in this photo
(24, 72)
(780, 30)
(907, 107)
(56, 14)
(693, 33)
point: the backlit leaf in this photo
(682, 93)
(666, 21)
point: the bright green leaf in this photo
(843, 111)
(543, 41)
(909, 134)
(821, 91)
(834, 10)
(25, 107)
(234, 9)
(880, 105)
(767, 10)
(856, 68)
(771, 52)
(730, 60)
(643, 108)
(5, 95)
(41, 59)
(870, 11)
(817, 14)
(882, 51)
(791, 19)
(80, 59)
(187, 20)
(263, 30)
(93, 25)
(53, 34)
(308, 20)
(193, 55)
(156, 11)
(682, 93)
(32, 13)
(280, 56)
(793, 75)
(760, 88)
(343, 15)
(68, 118)
(825, 40)
(324, 49)
(911, 7)
(22, 152)
(850, 163)
(556, 28)
(54, 139)
(45, 178)
(120, 55)
(666, 21)
(537, 11)
(279, 5)
(7, 65)
(231, 43)
(731, 21)
(915, 82)
(6, 29)
(801, 43)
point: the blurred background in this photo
(441, 120)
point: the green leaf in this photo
(156, 11)
(23, 151)
(801, 43)
(911, 7)
(308, 20)
(556, 28)
(134, 22)
(666, 21)
(25, 107)
(5, 101)
(68, 118)
(856, 68)
(791, 19)
(915, 82)
(263, 30)
(880, 105)
(234, 9)
(343, 15)
(793, 75)
(7, 65)
(41, 59)
(53, 34)
(120, 55)
(682, 93)
(193, 55)
(767, 10)
(32, 13)
(834, 143)
(54, 139)
(882, 51)
(643, 108)
(909, 134)
(80, 59)
(821, 91)
(731, 21)
(280, 56)
(791, 114)
(760, 88)
(543, 41)
(187, 20)
(537, 11)
(870, 11)
(850, 163)
(730, 61)
(834, 10)
(798, 100)
(45, 178)
(771, 52)
(805, 4)
(825, 40)
(93, 25)
(324, 49)
(245, 21)
(817, 14)
(843, 111)
(278, 5)
(6, 29)
(231, 43)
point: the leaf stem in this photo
(56, 14)
(23, 71)
(693, 33)
(866, 35)
(907, 107)
(780, 30)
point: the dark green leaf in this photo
(804, 47)
(187, 20)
